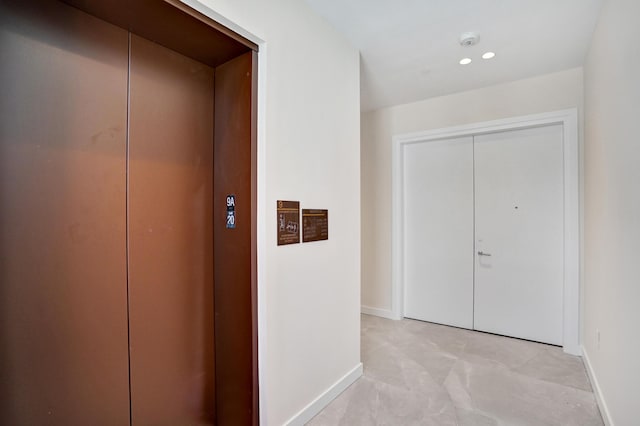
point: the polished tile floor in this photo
(418, 373)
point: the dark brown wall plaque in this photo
(288, 222)
(315, 225)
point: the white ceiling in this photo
(410, 51)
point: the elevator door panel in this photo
(63, 299)
(170, 237)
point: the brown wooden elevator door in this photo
(170, 237)
(63, 296)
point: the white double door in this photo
(483, 232)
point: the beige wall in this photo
(612, 210)
(309, 293)
(534, 95)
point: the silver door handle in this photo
(481, 253)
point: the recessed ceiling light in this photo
(465, 61)
(488, 55)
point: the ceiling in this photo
(410, 49)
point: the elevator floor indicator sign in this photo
(231, 211)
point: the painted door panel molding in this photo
(568, 119)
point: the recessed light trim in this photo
(465, 61)
(488, 55)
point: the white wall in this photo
(612, 210)
(309, 293)
(545, 93)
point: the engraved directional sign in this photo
(315, 225)
(288, 213)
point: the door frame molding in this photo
(568, 118)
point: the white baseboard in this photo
(604, 410)
(308, 412)
(571, 349)
(384, 313)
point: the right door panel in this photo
(171, 297)
(519, 233)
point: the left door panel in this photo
(438, 231)
(63, 294)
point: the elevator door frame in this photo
(569, 120)
(140, 20)
(128, 15)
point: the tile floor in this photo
(418, 373)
